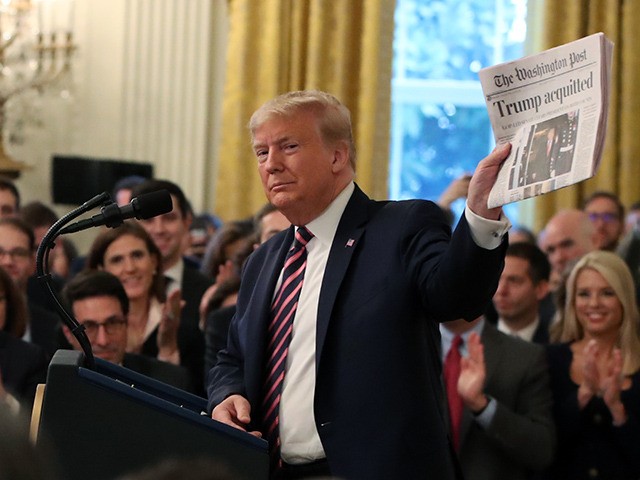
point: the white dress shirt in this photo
(525, 333)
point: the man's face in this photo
(108, 329)
(168, 232)
(8, 204)
(17, 256)
(603, 213)
(271, 224)
(562, 243)
(517, 297)
(123, 196)
(297, 169)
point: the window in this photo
(440, 126)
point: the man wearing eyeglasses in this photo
(606, 212)
(17, 258)
(99, 302)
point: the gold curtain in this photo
(567, 20)
(341, 46)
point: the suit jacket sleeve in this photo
(526, 431)
(445, 267)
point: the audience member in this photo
(595, 373)
(129, 253)
(629, 246)
(378, 275)
(519, 234)
(569, 234)
(9, 199)
(522, 300)
(606, 212)
(16, 250)
(99, 302)
(632, 220)
(122, 189)
(269, 221)
(170, 233)
(202, 228)
(22, 365)
(220, 306)
(14, 316)
(499, 402)
(230, 238)
(17, 258)
(40, 218)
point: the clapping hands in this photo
(602, 379)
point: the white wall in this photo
(148, 83)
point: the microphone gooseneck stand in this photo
(42, 270)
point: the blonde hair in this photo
(334, 118)
(616, 273)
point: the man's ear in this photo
(67, 334)
(340, 156)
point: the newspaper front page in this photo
(552, 107)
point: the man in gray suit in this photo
(506, 430)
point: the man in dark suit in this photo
(362, 395)
(507, 429)
(99, 302)
(521, 300)
(170, 233)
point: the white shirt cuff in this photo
(487, 233)
(486, 417)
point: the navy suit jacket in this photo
(393, 271)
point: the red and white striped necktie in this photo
(279, 336)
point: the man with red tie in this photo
(499, 399)
(359, 393)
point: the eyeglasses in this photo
(606, 217)
(15, 253)
(111, 326)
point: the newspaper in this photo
(552, 107)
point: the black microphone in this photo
(145, 206)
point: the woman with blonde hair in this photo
(595, 373)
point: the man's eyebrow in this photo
(284, 138)
(112, 317)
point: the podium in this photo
(106, 422)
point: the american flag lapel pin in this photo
(350, 242)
